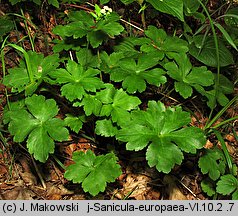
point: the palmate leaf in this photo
(108, 62)
(163, 131)
(83, 24)
(134, 75)
(225, 87)
(94, 172)
(36, 122)
(18, 78)
(117, 104)
(187, 76)
(77, 81)
(212, 163)
(162, 43)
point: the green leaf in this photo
(206, 53)
(127, 1)
(117, 104)
(55, 3)
(227, 184)
(75, 123)
(174, 7)
(104, 1)
(108, 62)
(94, 172)
(91, 105)
(162, 43)
(83, 24)
(231, 18)
(18, 78)
(191, 6)
(68, 43)
(129, 46)
(163, 131)
(187, 76)
(135, 74)
(6, 25)
(86, 58)
(77, 81)
(212, 163)
(225, 87)
(226, 36)
(47, 110)
(105, 128)
(208, 187)
(40, 144)
(36, 122)
(235, 195)
(159, 154)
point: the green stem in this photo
(28, 32)
(220, 113)
(225, 122)
(217, 55)
(4, 69)
(225, 151)
(27, 60)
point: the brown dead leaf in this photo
(28, 178)
(3, 170)
(53, 190)
(208, 145)
(55, 197)
(230, 138)
(17, 193)
(136, 184)
(229, 147)
(153, 195)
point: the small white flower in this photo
(106, 10)
(103, 11)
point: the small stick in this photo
(188, 189)
(38, 173)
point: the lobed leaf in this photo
(75, 123)
(161, 43)
(163, 131)
(94, 172)
(227, 184)
(105, 128)
(36, 122)
(212, 163)
(83, 24)
(77, 81)
(187, 76)
(117, 104)
(208, 187)
(134, 75)
(18, 77)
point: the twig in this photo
(38, 173)
(188, 189)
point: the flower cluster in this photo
(106, 10)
